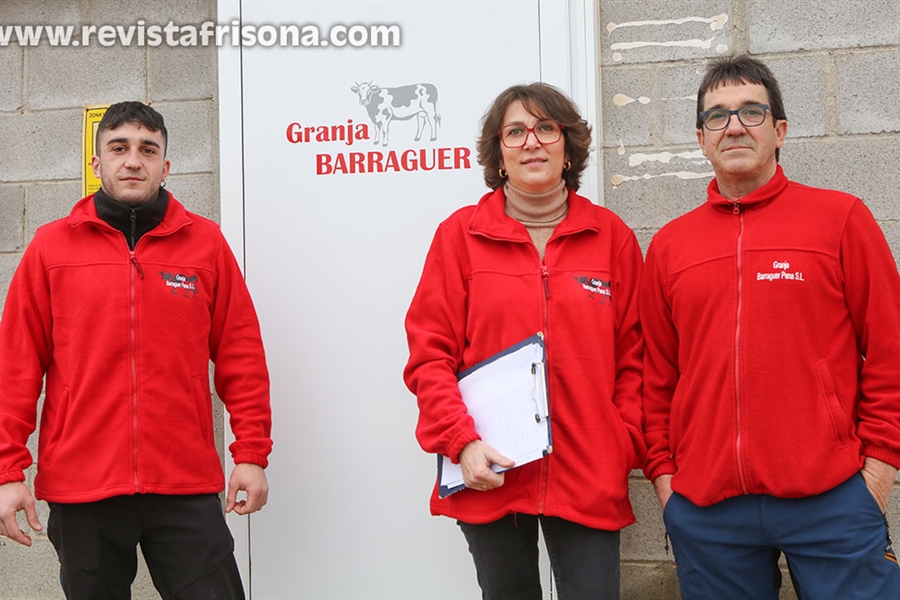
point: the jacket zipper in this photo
(737, 346)
(135, 269)
(545, 279)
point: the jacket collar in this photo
(757, 197)
(85, 211)
(490, 219)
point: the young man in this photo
(771, 395)
(121, 306)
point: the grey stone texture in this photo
(627, 98)
(45, 202)
(41, 146)
(864, 166)
(11, 76)
(40, 12)
(677, 104)
(804, 83)
(12, 217)
(121, 78)
(651, 194)
(182, 73)
(198, 192)
(660, 31)
(827, 25)
(867, 102)
(188, 151)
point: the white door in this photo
(332, 205)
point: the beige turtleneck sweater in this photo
(539, 213)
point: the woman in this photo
(532, 256)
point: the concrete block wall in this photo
(43, 92)
(834, 62)
(834, 59)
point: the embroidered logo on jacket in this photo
(782, 273)
(177, 281)
(596, 288)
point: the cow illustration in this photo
(403, 103)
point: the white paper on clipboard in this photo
(507, 397)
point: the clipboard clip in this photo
(539, 390)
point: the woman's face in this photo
(535, 167)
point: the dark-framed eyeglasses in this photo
(751, 115)
(547, 131)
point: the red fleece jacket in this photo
(125, 339)
(773, 344)
(485, 288)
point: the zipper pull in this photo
(137, 265)
(737, 207)
(545, 275)
(133, 229)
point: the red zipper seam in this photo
(737, 340)
(134, 402)
(545, 278)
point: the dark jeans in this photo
(185, 541)
(585, 561)
(836, 544)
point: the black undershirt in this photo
(133, 222)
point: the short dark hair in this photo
(133, 112)
(737, 70)
(545, 102)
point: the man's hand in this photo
(249, 478)
(476, 460)
(14, 497)
(662, 485)
(879, 478)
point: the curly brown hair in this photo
(545, 102)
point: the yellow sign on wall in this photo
(92, 116)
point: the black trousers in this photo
(185, 541)
(584, 561)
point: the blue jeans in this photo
(585, 561)
(836, 545)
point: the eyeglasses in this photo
(751, 115)
(546, 131)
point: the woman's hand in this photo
(476, 460)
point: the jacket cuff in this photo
(884, 455)
(12, 476)
(457, 445)
(251, 457)
(665, 468)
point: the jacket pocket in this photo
(203, 406)
(53, 425)
(839, 422)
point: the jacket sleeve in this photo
(25, 350)
(872, 289)
(629, 344)
(436, 334)
(241, 376)
(660, 367)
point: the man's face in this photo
(131, 163)
(742, 156)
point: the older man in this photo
(771, 394)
